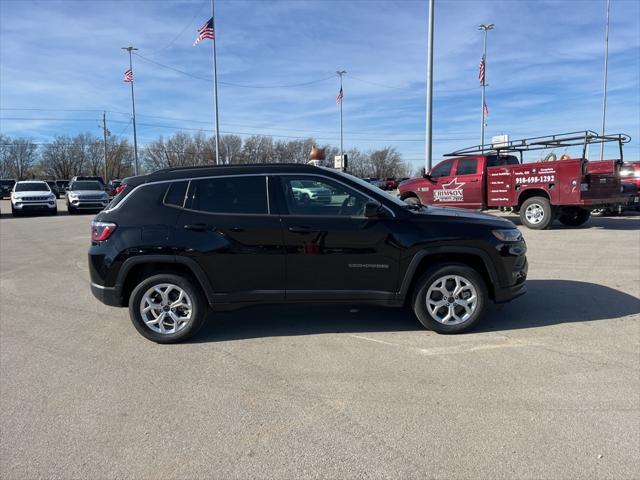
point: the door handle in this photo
(302, 230)
(473, 180)
(198, 227)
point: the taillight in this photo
(100, 231)
(120, 188)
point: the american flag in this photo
(205, 31)
(485, 110)
(481, 73)
(339, 97)
(128, 76)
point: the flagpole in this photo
(485, 27)
(340, 74)
(428, 154)
(133, 108)
(606, 66)
(215, 84)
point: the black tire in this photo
(14, 212)
(71, 210)
(431, 278)
(574, 216)
(199, 308)
(411, 199)
(540, 212)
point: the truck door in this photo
(439, 176)
(468, 178)
(447, 189)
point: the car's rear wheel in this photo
(167, 308)
(450, 298)
(574, 216)
(536, 213)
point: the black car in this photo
(6, 186)
(54, 188)
(178, 241)
(62, 185)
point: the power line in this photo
(230, 84)
(195, 16)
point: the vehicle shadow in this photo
(628, 221)
(547, 302)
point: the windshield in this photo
(368, 187)
(32, 187)
(86, 185)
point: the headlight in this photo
(510, 235)
(73, 195)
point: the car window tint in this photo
(230, 195)
(176, 194)
(495, 160)
(467, 166)
(443, 169)
(319, 196)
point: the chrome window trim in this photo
(266, 175)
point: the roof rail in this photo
(582, 138)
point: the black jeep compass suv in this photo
(175, 242)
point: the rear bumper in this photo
(108, 295)
(607, 201)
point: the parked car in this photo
(62, 185)
(112, 187)
(54, 188)
(86, 195)
(493, 178)
(389, 183)
(310, 191)
(95, 178)
(6, 186)
(32, 196)
(178, 241)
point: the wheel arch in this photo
(137, 268)
(532, 192)
(472, 257)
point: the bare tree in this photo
(230, 148)
(257, 149)
(20, 158)
(5, 145)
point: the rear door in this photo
(228, 228)
(333, 251)
(468, 178)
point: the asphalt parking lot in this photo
(547, 387)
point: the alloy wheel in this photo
(451, 299)
(166, 308)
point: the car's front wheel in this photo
(167, 308)
(450, 298)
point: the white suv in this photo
(32, 196)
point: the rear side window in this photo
(176, 194)
(467, 166)
(443, 169)
(230, 195)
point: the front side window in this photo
(321, 196)
(443, 169)
(467, 166)
(244, 195)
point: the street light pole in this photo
(606, 66)
(484, 27)
(429, 97)
(340, 74)
(133, 108)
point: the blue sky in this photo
(544, 69)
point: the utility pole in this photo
(104, 133)
(215, 84)
(428, 154)
(133, 108)
(606, 66)
(340, 74)
(484, 27)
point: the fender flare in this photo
(191, 264)
(419, 256)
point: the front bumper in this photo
(81, 204)
(34, 206)
(518, 288)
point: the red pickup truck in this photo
(492, 177)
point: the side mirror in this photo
(373, 209)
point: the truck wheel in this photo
(536, 213)
(449, 298)
(411, 199)
(167, 308)
(574, 216)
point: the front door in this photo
(333, 250)
(231, 234)
(468, 180)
